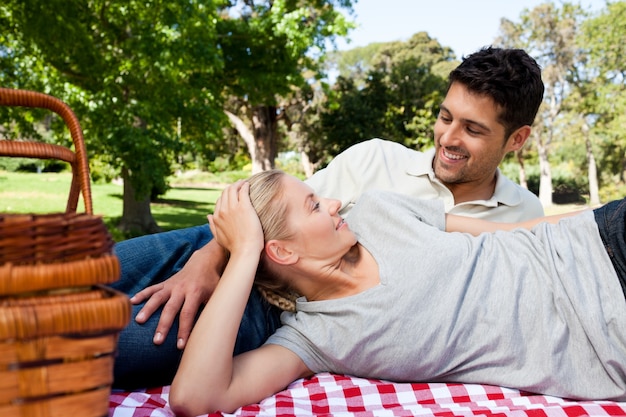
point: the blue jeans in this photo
(611, 220)
(151, 259)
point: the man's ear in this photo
(280, 253)
(518, 138)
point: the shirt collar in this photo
(506, 192)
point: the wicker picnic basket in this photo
(58, 323)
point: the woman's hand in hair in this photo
(234, 223)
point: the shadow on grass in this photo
(181, 203)
(200, 189)
(179, 208)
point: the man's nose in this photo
(450, 136)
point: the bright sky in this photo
(463, 25)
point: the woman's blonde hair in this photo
(266, 195)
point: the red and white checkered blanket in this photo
(337, 395)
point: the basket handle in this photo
(77, 158)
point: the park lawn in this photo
(182, 206)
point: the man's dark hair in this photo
(510, 77)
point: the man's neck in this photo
(464, 192)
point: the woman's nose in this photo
(333, 205)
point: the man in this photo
(493, 97)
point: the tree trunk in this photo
(545, 176)
(136, 215)
(262, 140)
(244, 132)
(265, 128)
(522, 168)
(592, 172)
(307, 165)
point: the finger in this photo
(212, 225)
(171, 308)
(218, 204)
(233, 192)
(227, 196)
(146, 293)
(186, 321)
(244, 191)
(154, 302)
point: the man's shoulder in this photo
(506, 185)
(377, 144)
(521, 203)
(383, 149)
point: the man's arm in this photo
(455, 223)
(183, 292)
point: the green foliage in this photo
(32, 165)
(148, 79)
(133, 71)
(614, 190)
(353, 114)
(12, 164)
(225, 163)
(356, 63)
(603, 39)
(568, 185)
(101, 170)
(267, 46)
(291, 163)
(398, 99)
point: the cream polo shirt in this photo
(390, 166)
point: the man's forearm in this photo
(213, 256)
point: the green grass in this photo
(186, 204)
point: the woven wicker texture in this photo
(58, 324)
(75, 246)
(84, 311)
(49, 237)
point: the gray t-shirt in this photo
(540, 311)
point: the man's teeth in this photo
(453, 156)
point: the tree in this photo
(148, 79)
(602, 83)
(397, 99)
(267, 47)
(548, 33)
(136, 70)
(357, 62)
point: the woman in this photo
(392, 296)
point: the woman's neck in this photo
(356, 272)
(352, 257)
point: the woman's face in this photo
(319, 232)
